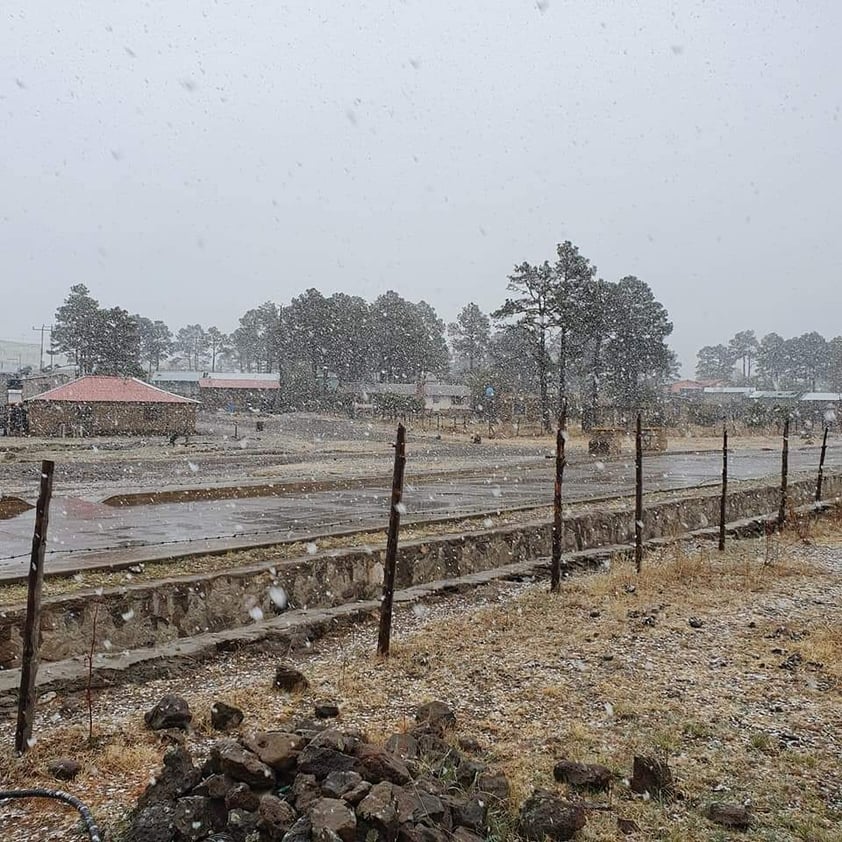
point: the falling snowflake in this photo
(279, 597)
(256, 613)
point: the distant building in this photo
(235, 391)
(687, 388)
(437, 397)
(239, 392)
(109, 406)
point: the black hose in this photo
(90, 824)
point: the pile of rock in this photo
(315, 782)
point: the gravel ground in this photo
(745, 708)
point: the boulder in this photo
(242, 797)
(194, 818)
(152, 824)
(377, 815)
(733, 816)
(326, 709)
(299, 832)
(277, 749)
(290, 680)
(495, 785)
(471, 812)
(376, 764)
(652, 776)
(591, 776)
(242, 765)
(543, 816)
(437, 715)
(404, 746)
(224, 717)
(170, 712)
(305, 792)
(334, 817)
(336, 784)
(243, 826)
(276, 817)
(321, 761)
(415, 806)
(177, 777)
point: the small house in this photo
(109, 406)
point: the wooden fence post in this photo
(784, 474)
(638, 495)
(387, 599)
(558, 525)
(723, 502)
(821, 467)
(32, 629)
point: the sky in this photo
(191, 160)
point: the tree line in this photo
(564, 334)
(808, 362)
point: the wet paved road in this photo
(78, 525)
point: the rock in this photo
(544, 816)
(434, 751)
(695, 623)
(587, 775)
(468, 771)
(241, 765)
(376, 764)
(194, 817)
(290, 680)
(336, 784)
(437, 715)
(276, 817)
(277, 749)
(170, 712)
(472, 813)
(305, 792)
(733, 816)
(215, 786)
(243, 825)
(344, 741)
(376, 813)
(152, 824)
(64, 768)
(321, 761)
(177, 778)
(404, 746)
(325, 709)
(652, 776)
(495, 785)
(421, 833)
(299, 832)
(627, 826)
(418, 807)
(241, 797)
(334, 816)
(462, 834)
(224, 717)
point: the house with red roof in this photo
(109, 406)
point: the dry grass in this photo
(585, 674)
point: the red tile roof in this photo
(96, 389)
(215, 383)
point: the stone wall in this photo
(148, 614)
(54, 418)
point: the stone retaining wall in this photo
(150, 614)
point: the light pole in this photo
(42, 329)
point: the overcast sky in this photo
(191, 160)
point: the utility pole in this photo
(42, 329)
